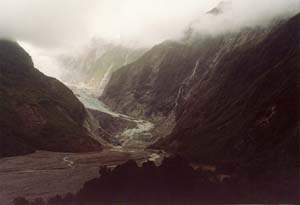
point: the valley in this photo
(139, 136)
(55, 173)
(46, 174)
(210, 117)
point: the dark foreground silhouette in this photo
(174, 182)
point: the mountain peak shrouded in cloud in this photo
(223, 5)
(231, 16)
(65, 23)
(59, 26)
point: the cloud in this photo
(238, 14)
(148, 21)
(49, 27)
(61, 23)
(46, 23)
(64, 23)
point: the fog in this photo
(47, 28)
(238, 14)
(61, 23)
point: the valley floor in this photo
(139, 136)
(45, 174)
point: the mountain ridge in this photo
(38, 112)
(249, 73)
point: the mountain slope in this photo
(37, 112)
(235, 96)
(94, 67)
(247, 108)
(147, 88)
(140, 80)
(155, 86)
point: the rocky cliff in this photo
(245, 109)
(235, 96)
(37, 112)
(148, 87)
(155, 86)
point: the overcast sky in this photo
(49, 26)
(59, 23)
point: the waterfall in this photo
(180, 92)
(105, 80)
(195, 69)
(126, 58)
(185, 83)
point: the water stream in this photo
(139, 136)
(185, 83)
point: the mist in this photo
(47, 28)
(56, 24)
(238, 14)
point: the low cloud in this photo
(49, 27)
(237, 14)
(62, 23)
(46, 23)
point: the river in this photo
(139, 136)
(45, 174)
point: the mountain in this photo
(148, 87)
(157, 84)
(37, 112)
(94, 66)
(220, 8)
(231, 98)
(245, 109)
(227, 104)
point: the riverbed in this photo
(46, 174)
(139, 136)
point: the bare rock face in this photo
(235, 96)
(37, 112)
(108, 127)
(245, 109)
(219, 9)
(157, 85)
(135, 88)
(147, 87)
